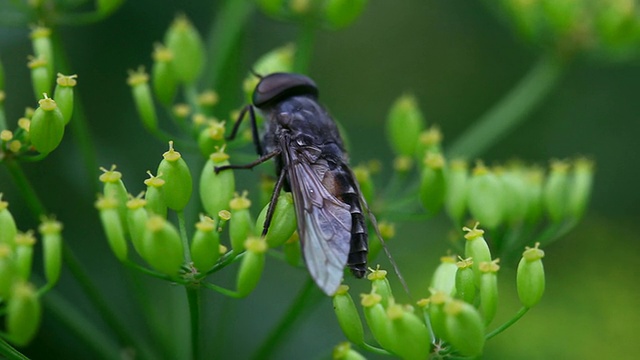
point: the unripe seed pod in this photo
(63, 95)
(430, 140)
(437, 317)
(580, 187)
(476, 248)
(51, 231)
(112, 225)
(211, 137)
(42, 46)
(241, 225)
(8, 270)
(485, 197)
(465, 281)
(409, 332)
(388, 232)
(555, 192)
(433, 186)
(47, 126)
(292, 251)
(164, 82)
(348, 316)
(7, 224)
(178, 183)
(283, 222)
(456, 194)
(530, 277)
(444, 278)
(205, 246)
(271, 7)
(137, 217)
(216, 190)
(343, 351)
(489, 290)
(24, 254)
(405, 122)
(108, 6)
(341, 13)
(188, 50)
(377, 320)
(533, 180)
(464, 328)
(41, 76)
(515, 189)
(277, 60)
(162, 246)
(154, 195)
(114, 188)
(207, 100)
(380, 285)
(252, 265)
(139, 83)
(23, 314)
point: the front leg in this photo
(251, 165)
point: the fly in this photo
(312, 163)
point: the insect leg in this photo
(274, 201)
(254, 127)
(251, 165)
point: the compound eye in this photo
(279, 86)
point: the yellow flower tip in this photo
(155, 223)
(137, 77)
(6, 135)
(181, 110)
(430, 137)
(438, 297)
(342, 290)
(240, 202)
(434, 160)
(387, 229)
(208, 98)
(489, 266)
(15, 146)
(473, 233)
(583, 164)
(24, 123)
(47, 104)
(224, 215)
(395, 311)
(5, 251)
(402, 163)
(480, 169)
(216, 130)
(300, 6)
(110, 176)
(222, 249)
(464, 263)
(25, 239)
(22, 290)
(255, 245)
(362, 173)
(450, 259)
(206, 224)
(3, 204)
(454, 307)
(67, 80)
(560, 166)
(35, 63)
(105, 203)
(50, 226)
(374, 166)
(154, 181)
(136, 203)
(181, 22)
(423, 303)
(369, 300)
(40, 31)
(3, 95)
(533, 253)
(171, 154)
(198, 119)
(341, 351)
(377, 274)
(161, 53)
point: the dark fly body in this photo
(311, 162)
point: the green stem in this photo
(9, 352)
(3, 116)
(184, 238)
(221, 290)
(510, 111)
(193, 298)
(308, 297)
(304, 47)
(375, 349)
(507, 324)
(26, 189)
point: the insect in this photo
(311, 162)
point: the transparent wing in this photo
(324, 222)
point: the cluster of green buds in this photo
(454, 320)
(609, 27)
(19, 298)
(334, 14)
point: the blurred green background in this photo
(459, 58)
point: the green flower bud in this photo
(271, 7)
(51, 230)
(464, 328)
(292, 251)
(112, 225)
(114, 188)
(283, 222)
(154, 195)
(527, 16)
(476, 248)
(162, 246)
(24, 254)
(241, 225)
(139, 83)
(205, 246)
(405, 122)
(436, 313)
(580, 187)
(137, 217)
(411, 336)
(164, 82)
(216, 190)
(63, 95)
(252, 265)
(211, 137)
(363, 176)
(343, 351)
(178, 183)
(388, 232)
(207, 100)
(348, 316)
(47, 126)
(41, 76)
(456, 194)
(380, 285)
(465, 281)
(484, 197)
(430, 140)
(23, 314)
(377, 320)
(489, 290)
(277, 60)
(533, 180)
(8, 269)
(530, 276)
(108, 6)
(341, 13)
(556, 189)
(42, 47)
(444, 278)
(7, 224)
(433, 186)
(515, 190)
(188, 50)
